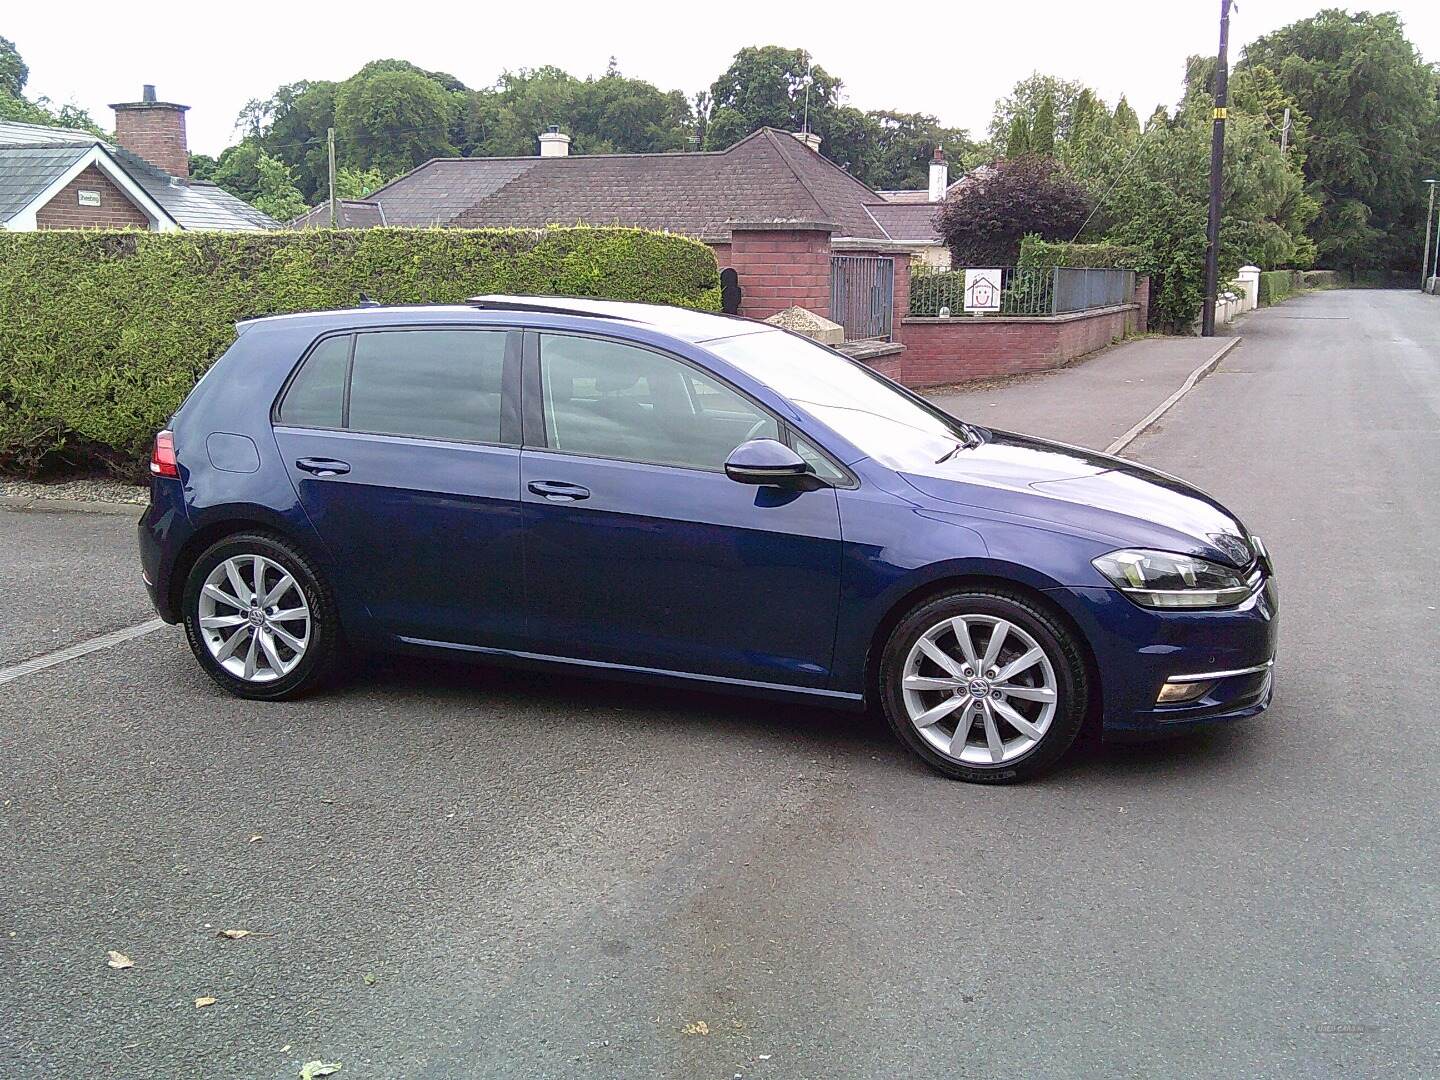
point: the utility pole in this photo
(1217, 164)
(330, 140)
(1425, 257)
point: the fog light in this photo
(1175, 692)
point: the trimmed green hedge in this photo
(102, 334)
(1036, 253)
(1275, 285)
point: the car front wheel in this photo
(984, 686)
(259, 617)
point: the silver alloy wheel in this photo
(980, 701)
(254, 618)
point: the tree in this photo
(1017, 140)
(277, 195)
(902, 145)
(14, 72)
(1124, 121)
(392, 119)
(1042, 130)
(1374, 128)
(291, 125)
(985, 219)
(14, 106)
(1026, 98)
(766, 86)
(357, 183)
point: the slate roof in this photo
(909, 222)
(32, 157)
(349, 214)
(769, 175)
(27, 170)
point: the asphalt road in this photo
(466, 873)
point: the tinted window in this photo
(605, 399)
(437, 384)
(317, 395)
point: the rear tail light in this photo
(162, 458)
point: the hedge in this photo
(103, 333)
(1036, 253)
(1275, 285)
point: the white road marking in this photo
(83, 648)
(1164, 407)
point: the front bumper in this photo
(1139, 650)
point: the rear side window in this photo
(316, 397)
(437, 384)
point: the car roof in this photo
(683, 323)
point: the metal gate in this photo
(862, 295)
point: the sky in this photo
(953, 60)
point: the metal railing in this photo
(862, 295)
(1022, 291)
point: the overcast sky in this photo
(949, 59)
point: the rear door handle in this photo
(323, 466)
(556, 491)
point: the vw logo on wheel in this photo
(979, 688)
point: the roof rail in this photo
(537, 304)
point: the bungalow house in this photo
(59, 178)
(770, 182)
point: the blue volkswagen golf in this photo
(656, 494)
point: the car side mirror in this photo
(769, 463)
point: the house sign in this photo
(982, 290)
(89, 198)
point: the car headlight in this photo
(1163, 579)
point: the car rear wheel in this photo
(984, 686)
(259, 617)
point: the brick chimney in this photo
(155, 131)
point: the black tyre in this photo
(260, 618)
(1000, 704)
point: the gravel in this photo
(112, 491)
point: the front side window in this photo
(610, 400)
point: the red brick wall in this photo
(781, 268)
(115, 211)
(722, 254)
(156, 133)
(941, 351)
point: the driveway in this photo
(458, 872)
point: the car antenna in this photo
(366, 301)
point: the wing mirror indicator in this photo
(769, 463)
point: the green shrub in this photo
(102, 334)
(1037, 254)
(1275, 285)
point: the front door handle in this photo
(556, 491)
(323, 466)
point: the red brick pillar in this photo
(782, 264)
(1142, 297)
(902, 292)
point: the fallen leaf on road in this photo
(311, 1069)
(369, 979)
(119, 960)
(699, 1027)
(256, 838)
(200, 1003)
(233, 935)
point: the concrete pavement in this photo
(549, 877)
(1090, 403)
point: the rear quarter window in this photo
(316, 397)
